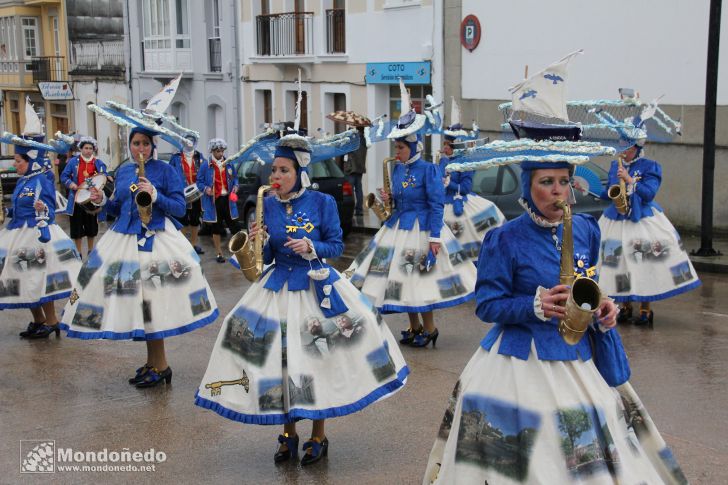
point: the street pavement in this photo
(75, 392)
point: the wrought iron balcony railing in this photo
(215, 53)
(48, 68)
(285, 34)
(336, 31)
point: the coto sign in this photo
(470, 32)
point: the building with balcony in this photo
(200, 40)
(97, 70)
(668, 59)
(351, 54)
(33, 46)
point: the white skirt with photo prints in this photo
(277, 359)
(123, 293)
(32, 272)
(644, 260)
(392, 273)
(511, 421)
(479, 216)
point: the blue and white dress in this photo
(468, 215)
(33, 272)
(393, 270)
(297, 346)
(529, 408)
(141, 283)
(643, 258)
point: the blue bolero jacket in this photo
(170, 197)
(514, 260)
(70, 175)
(22, 212)
(312, 215)
(419, 195)
(459, 182)
(205, 179)
(176, 162)
(648, 176)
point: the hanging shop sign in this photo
(390, 72)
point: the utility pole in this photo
(711, 98)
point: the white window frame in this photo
(183, 37)
(36, 37)
(156, 31)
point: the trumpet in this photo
(143, 200)
(618, 192)
(383, 210)
(585, 295)
(250, 259)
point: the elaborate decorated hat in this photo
(349, 118)
(409, 123)
(139, 121)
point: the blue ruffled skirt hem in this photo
(140, 334)
(35, 304)
(661, 296)
(386, 309)
(297, 414)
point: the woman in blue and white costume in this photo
(142, 282)
(302, 343)
(414, 264)
(38, 261)
(643, 258)
(468, 215)
(529, 408)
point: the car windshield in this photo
(325, 169)
(7, 164)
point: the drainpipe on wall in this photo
(438, 62)
(236, 73)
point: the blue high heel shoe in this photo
(32, 328)
(409, 335)
(140, 373)
(154, 377)
(423, 339)
(44, 331)
(291, 451)
(315, 449)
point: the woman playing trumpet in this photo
(529, 407)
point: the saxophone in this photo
(618, 192)
(383, 210)
(143, 200)
(585, 295)
(250, 259)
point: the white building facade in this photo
(198, 38)
(350, 53)
(653, 46)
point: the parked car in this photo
(502, 186)
(8, 176)
(325, 177)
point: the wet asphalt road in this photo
(75, 392)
